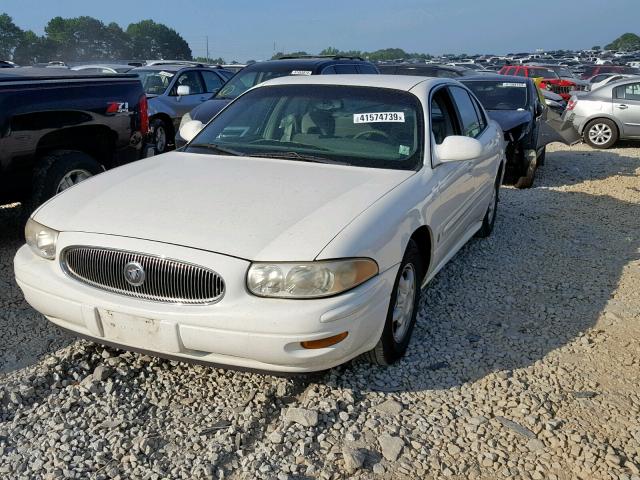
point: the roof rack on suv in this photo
(151, 63)
(329, 57)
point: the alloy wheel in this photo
(72, 178)
(403, 308)
(600, 133)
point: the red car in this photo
(550, 79)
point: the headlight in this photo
(309, 279)
(185, 118)
(41, 239)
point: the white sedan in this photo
(293, 233)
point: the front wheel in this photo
(526, 181)
(601, 133)
(160, 135)
(403, 309)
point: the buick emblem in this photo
(134, 274)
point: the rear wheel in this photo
(57, 171)
(489, 219)
(403, 309)
(601, 133)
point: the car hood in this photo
(207, 110)
(509, 119)
(251, 208)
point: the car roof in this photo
(418, 66)
(397, 82)
(303, 63)
(497, 78)
(167, 67)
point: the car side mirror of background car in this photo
(190, 129)
(539, 109)
(183, 90)
(456, 148)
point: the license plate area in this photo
(139, 332)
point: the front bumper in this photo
(241, 330)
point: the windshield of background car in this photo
(358, 126)
(500, 95)
(155, 82)
(248, 78)
(564, 72)
(542, 72)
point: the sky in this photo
(249, 29)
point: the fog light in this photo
(325, 342)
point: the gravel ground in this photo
(524, 364)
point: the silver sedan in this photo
(608, 114)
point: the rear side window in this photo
(520, 72)
(444, 73)
(366, 68)
(630, 91)
(212, 81)
(345, 69)
(471, 125)
(329, 71)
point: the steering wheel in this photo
(373, 133)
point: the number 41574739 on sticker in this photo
(378, 117)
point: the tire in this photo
(57, 171)
(542, 156)
(489, 219)
(396, 335)
(601, 133)
(526, 181)
(161, 135)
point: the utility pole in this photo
(207, 37)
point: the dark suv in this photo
(256, 73)
(173, 90)
(426, 70)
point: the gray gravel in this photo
(524, 364)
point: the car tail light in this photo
(143, 106)
(572, 104)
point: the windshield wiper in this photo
(217, 148)
(297, 156)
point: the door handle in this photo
(622, 107)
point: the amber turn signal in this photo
(325, 342)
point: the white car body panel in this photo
(224, 212)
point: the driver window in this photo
(190, 79)
(443, 124)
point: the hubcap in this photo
(161, 139)
(403, 308)
(71, 178)
(600, 133)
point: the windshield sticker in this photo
(404, 150)
(519, 85)
(378, 117)
(165, 74)
(301, 72)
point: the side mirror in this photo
(457, 148)
(539, 109)
(183, 90)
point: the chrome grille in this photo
(166, 280)
(561, 89)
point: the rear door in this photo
(626, 107)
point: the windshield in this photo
(358, 126)
(500, 95)
(564, 72)
(154, 82)
(245, 79)
(542, 72)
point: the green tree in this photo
(625, 42)
(150, 40)
(596, 47)
(33, 49)
(210, 61)
(86, 38)
(290, 54)
(10, 35)
(330, 51)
